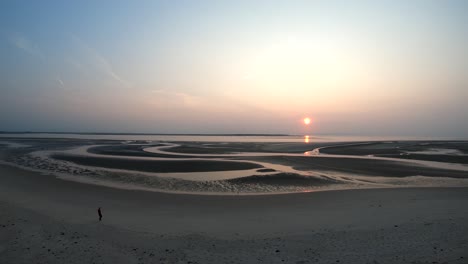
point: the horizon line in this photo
(148, 134)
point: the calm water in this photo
(221, 138)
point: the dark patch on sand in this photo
(266, 170)
(286, 179)
(157, 165)
(402, 149)
(130, 150)
(237, 147)
(368, 167)
(439, 158)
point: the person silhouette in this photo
(99, 213)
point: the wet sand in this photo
(405, 150)
(47, 220)
(348, 165)
(158, 166)
(367, 167)
(220, 167)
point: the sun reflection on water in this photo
(306, 139)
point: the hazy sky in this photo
(354, 67)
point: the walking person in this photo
(99, 213)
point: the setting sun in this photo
(306, 120)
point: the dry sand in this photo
(48, 220)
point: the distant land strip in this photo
(146, 134)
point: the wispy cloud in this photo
(23, 43)
(74, 63)
(60, 81)
(100, 62)
(177, 98)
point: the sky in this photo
(370, 68)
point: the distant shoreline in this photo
(346, 137)
(146, 134)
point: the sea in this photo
(221, 137)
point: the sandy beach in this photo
(47, 220)
(196, 202)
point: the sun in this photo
(306, 120)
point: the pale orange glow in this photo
(306, 140)
(306, 120)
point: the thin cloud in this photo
(107, 68)
(179, 98)
(100, 61)
(60, 81)
(23, 43)
(74, 63)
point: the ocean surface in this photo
(222, 138)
